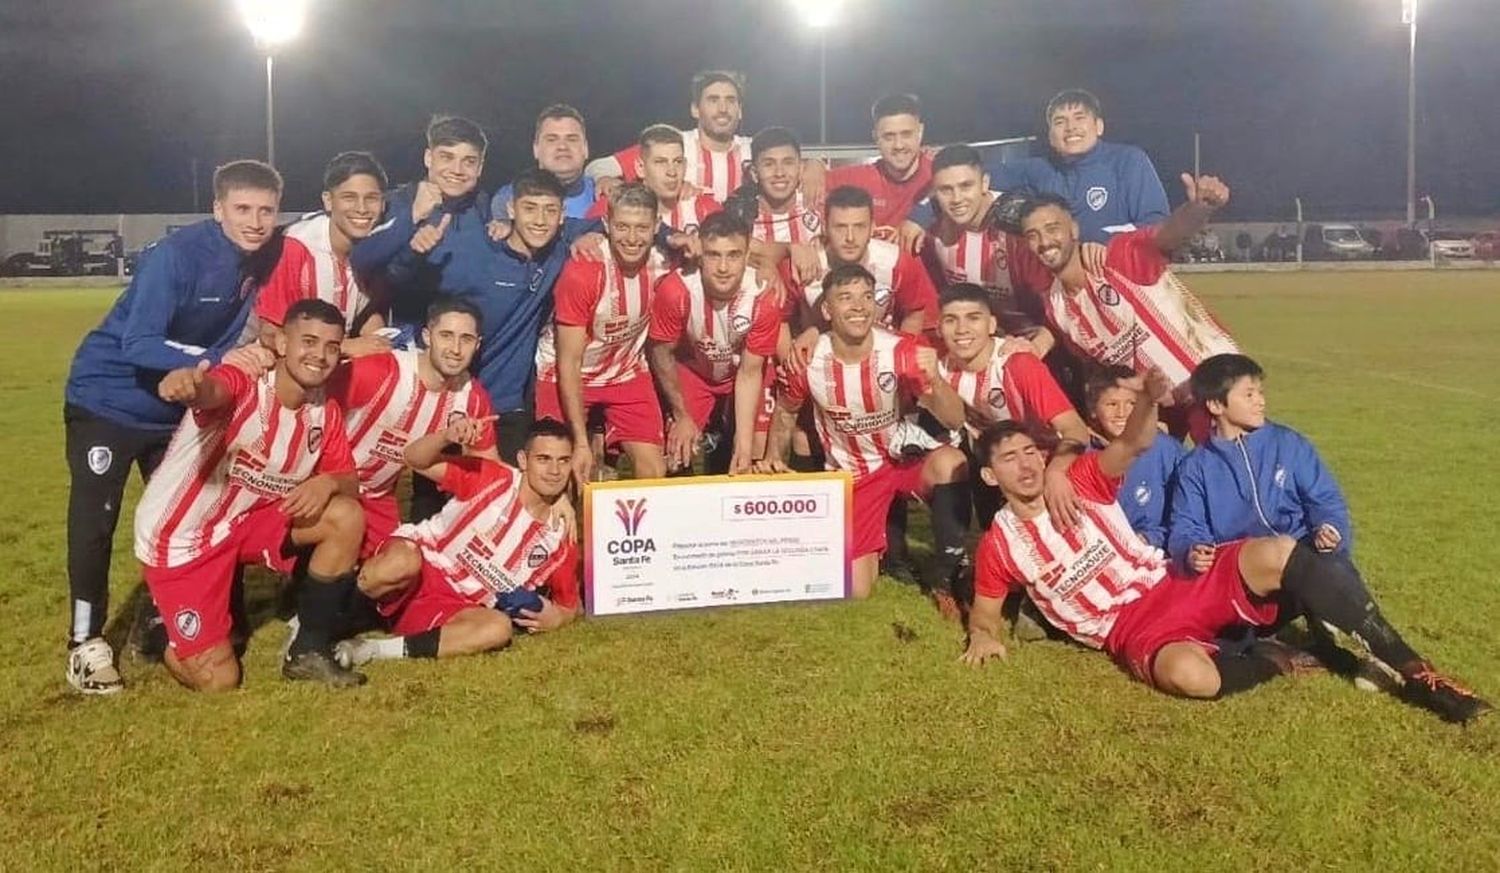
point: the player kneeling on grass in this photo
(258, 469)
(1109, 590)
(454, 584)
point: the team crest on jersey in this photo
(537, 556)
(811, 221)
(882, 295)
(997, 397)
(1142, 495)
(1108, 295)
(886, 381)
(1280, 477)
(99, 458)
(1096, 197)
(536, 281)
(314, 439)
(188, 623)
(739, 323)
(455, 415)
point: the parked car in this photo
(1335, 242)
(1487, 245)
(1449, 244)
(68, 253)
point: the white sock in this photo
(387, 648)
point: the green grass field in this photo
(811, 737)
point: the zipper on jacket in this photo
(1254, 490)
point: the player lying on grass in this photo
(454, 584)
(258, 470)
(861, 380)
(1109, 590)
(1144, 493)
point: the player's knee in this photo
(211, 671)
(495, 633)
(862, 579)
(1187, 673)
(948, 465)
(345, 519)
(391, 570)
(475, 631)
(1263, 560)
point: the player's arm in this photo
(791, 393)
(748, 384)
(1190, 540)
(571, 341)
(1322, 501)
(606, 167)
(990, 586)
(682, 434)
(160, 287)
(373, 254)
(560, 609)
(1205, 194)
(934, 393)
(1140, 429)
(425, 453)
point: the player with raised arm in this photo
(594, 354)
(713, 334)
(315, 256)
(1134, 311)
(259, 469)
(861, 380)
(1146, 488)
(1108, 589)
(187, 303)
(494, 556)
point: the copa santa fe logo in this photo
(632, 548)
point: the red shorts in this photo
(702, 398)
(632, 414)
(382, 517)
(1187, 611)
(194, 598)
(872, 502)
(431, 603)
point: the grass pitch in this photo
(812, 737)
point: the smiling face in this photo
(899, 140)
(546, 463)
(536, 218)
(778, 170)
(561, 148)
(632, 230)
(451, 338)
(1016, 465)
(960, 193)
(247, 215)
(1073, 130)
(718, 111)
(309, 349)
(1244, 407)
(848, 229)
(966, 326)
(1111, 410)
(354, 205)
(1052, 235)
(454, 168)
(850, 310)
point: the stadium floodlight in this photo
(820, 15)
(272, 23)
(1409, 18)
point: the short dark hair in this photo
(896, 104)
(258, 175)
(964, 292)
(536, 182)
(721, 224)
(957, 155)
(705, 78)
(347, 164)
(547, 427)
(315, 309)
(771, 138)
(848, 197)
(1099, 380)
(447, 130)
(560, 110)
(1073, 97)
(847, 274)
(991, 438)
(633, 195)
(443, 304)
(1213, 379)
(659, 134)
(1037, 201)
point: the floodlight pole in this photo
(270, 111)
(823, 86)
(1409, 13)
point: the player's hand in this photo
(775, 287)
(428, 197)
(1063, 505)
(682, 442)
(688, 191)
(428, 236)
(606, 186)
(814, 184)
(686, 245)
(911, 236)
(802, 351)
(1201, 557)
(1327, 538)
(369, 344)
(498, 229)
(1209, 191)
(181, 385)
(549, 617)
(1013, 344)
(806, 265)
(565, 516)
(307, 501)
(982, 647)
(743, 460)
(1093, 255)
(1157, 386)
(583, 464)
(467, 431)
(886, 233)
(927, 362)
(589, 247)
(253, 360)
(769, 466)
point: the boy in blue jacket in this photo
(1146, 487)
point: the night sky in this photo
(107, 105)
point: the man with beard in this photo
(902, 174)
(259, 469)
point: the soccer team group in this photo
(1004, 342)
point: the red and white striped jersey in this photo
(799, 223)
(709, 339)
(1015, 385)
(997, 261)
(386, 405)
(308, 269)
(858, 407)
(486, 543)
(1079, 579)
(902, 285)
(1137, 314)
(716, 174)
(224, 463)
(685, 215)
(616, 311)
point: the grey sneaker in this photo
(91, 668)
(320, 667)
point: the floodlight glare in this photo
(273, 22)
(818, 14)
